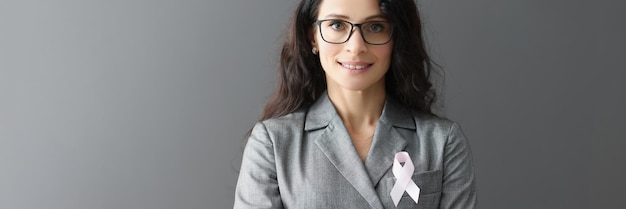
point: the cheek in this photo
(328, 52)
(328, 49)
(384, 53)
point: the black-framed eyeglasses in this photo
(339, 31)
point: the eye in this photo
(376, 27)
(336, 25)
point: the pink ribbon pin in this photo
(403, 178)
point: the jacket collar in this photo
(323, 111)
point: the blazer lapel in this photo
(337, 146)
(387, 139)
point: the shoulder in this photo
(291, 119)
(436, 126)
(433, 122)
(282, 127)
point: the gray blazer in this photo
(306, 160)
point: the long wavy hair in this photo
(302, 80)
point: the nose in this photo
(356, 44)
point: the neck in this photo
(359, 110)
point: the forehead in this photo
(353, 10)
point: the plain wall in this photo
(144, 104)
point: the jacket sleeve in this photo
(459, 191)
(257, 185)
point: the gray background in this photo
(144, 104)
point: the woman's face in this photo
(355, 64)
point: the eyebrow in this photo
(347, 18)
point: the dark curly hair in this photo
(302, 80)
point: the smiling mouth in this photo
(355, 66)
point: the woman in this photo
(354, 98)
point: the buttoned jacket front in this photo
(306, 159)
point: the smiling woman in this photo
(354, 102)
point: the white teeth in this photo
(357, 67)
